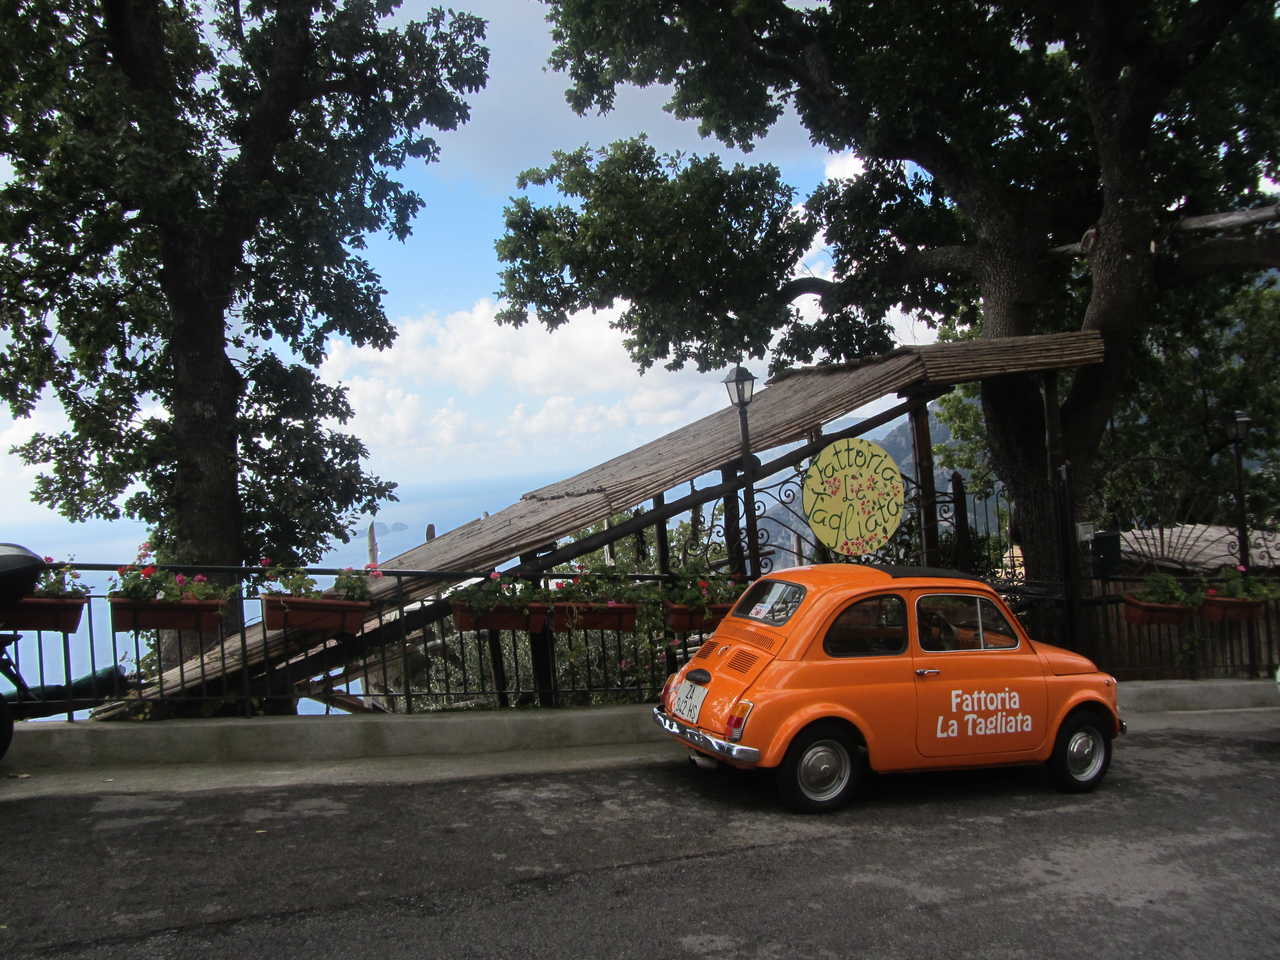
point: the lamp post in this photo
(741, 383)
(1238, 438)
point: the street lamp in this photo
(741, 384)
(1238, 439)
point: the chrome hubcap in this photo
(1085, 751)
(824, 770)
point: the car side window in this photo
(948, 622)
(954, 622)
(873, 627)
(997, 634)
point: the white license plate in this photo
(689, 701)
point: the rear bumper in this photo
(733, 752)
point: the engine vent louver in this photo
(705, 650)
(742, 662)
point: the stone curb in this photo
(86, 743)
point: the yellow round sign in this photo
(853, 496)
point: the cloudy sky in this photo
(463, 414)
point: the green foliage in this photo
(181, 236)
(353, 584)
(59, 580)
(706, 245)
(143, 580)
(1237, 583)
(1168, 456)
(1165, 588)
(292, 581)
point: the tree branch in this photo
(1236, 254)
(955, 260)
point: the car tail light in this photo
(738, 720)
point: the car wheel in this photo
(6, 726)
(1082, 752)
(821, 770)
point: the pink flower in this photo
(201, 578)
(144, 548)
(180, 580)
(1211, 592)
(264, 562)
(48, 559)
(495, 575)
(1242, 568)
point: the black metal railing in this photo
(405, 654)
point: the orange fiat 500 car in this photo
(821, 672)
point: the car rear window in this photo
(770, 601)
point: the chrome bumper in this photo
(734, 752)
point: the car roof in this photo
(823, 576)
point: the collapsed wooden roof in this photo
(790, 408)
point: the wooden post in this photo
(498, 668)
(922, 446)
(661, 542)
(543, 662)
(732, 534)
(960, 511)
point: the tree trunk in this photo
(206, 521)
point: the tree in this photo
(181, 232)
(1030, 167)
(1167, 455)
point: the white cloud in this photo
(843, 166)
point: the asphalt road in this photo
(1176, 855)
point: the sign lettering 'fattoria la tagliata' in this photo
(853, 496)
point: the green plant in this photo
(695, 585)
(1237, 584)
(500, 590)
(144, 580)
(1164, 588)
(293, 581)
(59, 580)
(353, 584)
(596, 581)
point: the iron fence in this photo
(406, 655)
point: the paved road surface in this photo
(1177, 855)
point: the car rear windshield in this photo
(770, 601)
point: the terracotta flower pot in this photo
(44, 613)
(1219, 609)
(1144, 614)
(283, 612)
(685, 619)
(594, 616)
(531, 618)
(129, 614)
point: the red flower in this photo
(147, 571)
(264, 562)
(1211, 592)
(122, 570)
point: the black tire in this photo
(1082, 752)
(6, 726)
(822, 769)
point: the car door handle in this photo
(922, 672)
